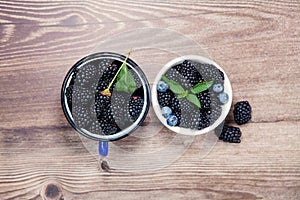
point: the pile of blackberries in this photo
(242, 115)
(97, 113)
(181, 112)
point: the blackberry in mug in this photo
(105, 96)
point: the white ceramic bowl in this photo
(186, 131)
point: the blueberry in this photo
(218, 87)
(172, 120)
(166, 111)
(223, 97)
(162, 86)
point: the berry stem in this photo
(106, 92)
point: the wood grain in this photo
(258, 45)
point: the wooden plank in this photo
(257, 44)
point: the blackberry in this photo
(231, 134)
(242, 112)
(209, 72)
(81, 116)
(136, 78)
(216, 111)
(102, 85)
(120, 110)
(82, 95)
(69, 93)
(95, 127)
(204, 121)
(107, 122)
(104, 64)
(135, 107)
(173, 74)
(110, 71)
(87, 76)
(190, 115)
(75, 71)
(204, 98)
(165, 98)
(101, 101)
(188, 70)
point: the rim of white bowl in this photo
(185, 131)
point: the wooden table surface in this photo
(256, 42)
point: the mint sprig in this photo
(193, 99)
(200, 87)
(125, 80)
(176, 88)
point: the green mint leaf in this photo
(120, 86)
(126, 83)
(180, 96)
(193, 99)
(123, 71)
(200, 87)
(129, 80)
(184, 94)
(173, 85)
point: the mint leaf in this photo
(173, 85)
(184, 94)
(120, 75)
(126, 83)
(193, 99)
(129, 80)
(200, 87)
(120, 86)
(123, 71)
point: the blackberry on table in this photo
(242, 112)
(231, 134)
